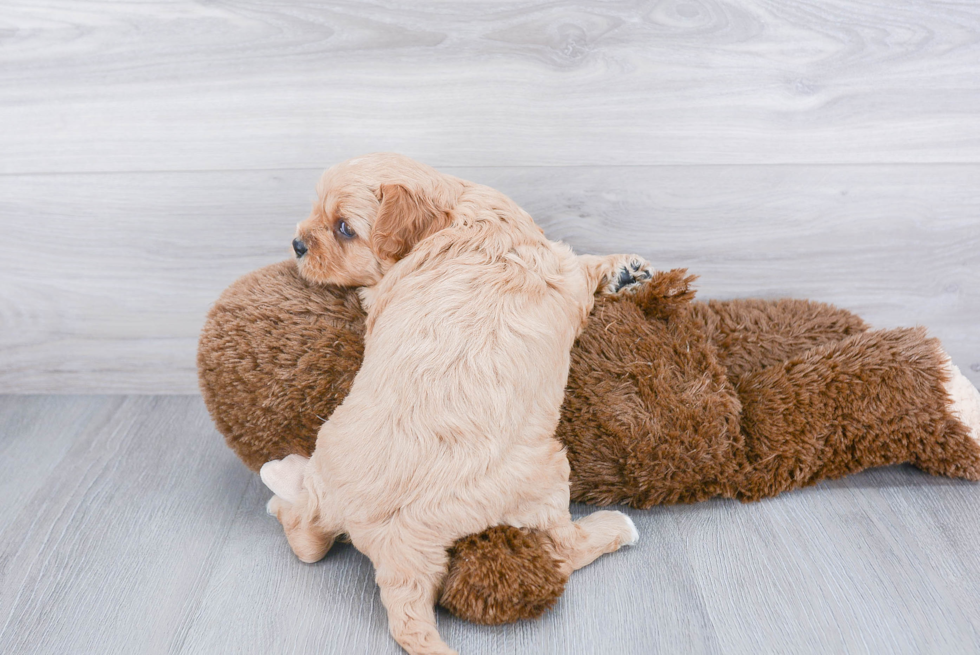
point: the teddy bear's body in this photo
(668, 400)
(677, 401)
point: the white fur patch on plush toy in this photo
(965, 400)
(285, 476)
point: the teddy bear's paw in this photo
(965, 400)
(628, 275)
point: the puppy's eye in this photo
(345, 230)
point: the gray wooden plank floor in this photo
(129, 527)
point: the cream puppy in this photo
(449, 425)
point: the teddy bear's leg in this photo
(872, 399)
(750, 335)
(502, 575)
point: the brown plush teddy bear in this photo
(668, 401)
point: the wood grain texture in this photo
(151, 152)
(105, 278)
(133, 529)
(116, 543)
(109, 86)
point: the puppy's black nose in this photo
(299, 247)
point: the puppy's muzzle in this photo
(299, 248)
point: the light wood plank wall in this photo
(152, 152)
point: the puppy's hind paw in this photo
(634, 535)
(285, 476)
(276, 505)
(628, 275)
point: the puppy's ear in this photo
(405, 218)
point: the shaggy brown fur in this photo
(671, 401)
(276, 356)
(501, 575)
(668, 401)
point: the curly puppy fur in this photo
(448, 427)
(668, 400)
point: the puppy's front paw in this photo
(628, 275)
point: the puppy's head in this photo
(369, 213)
